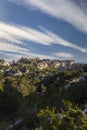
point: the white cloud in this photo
(11, 52)
(64, 55)
(42, 56)
(66, 10)
(63, 42)
(17, 34)
(11, 56)
(12, 48)
(13, 36)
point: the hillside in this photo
(43, 94)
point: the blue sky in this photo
(55, 29)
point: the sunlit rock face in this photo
(42, 65)
(4, 63)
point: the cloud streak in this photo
(12, 48)
(13, 56)
(12, 37)
(66, 10)
(17, 34)
(64, 55)
(57, 39)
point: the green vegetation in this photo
(37, 98)
(70, 119)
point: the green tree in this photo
(48, 119)
(72, 118)
(10, 100)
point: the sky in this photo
(51, 29)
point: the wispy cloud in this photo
(64, 55)
(12, 56)
(12, 48)
(42, 56)
(63, 42)
(13, 36)
(17, 34)
(66, 10)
